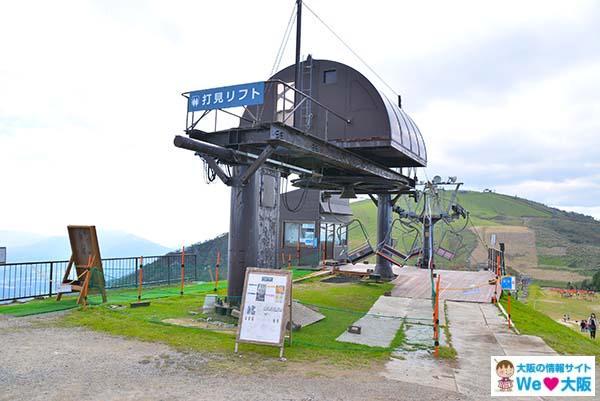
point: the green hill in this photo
(170, 268)
(548, 244)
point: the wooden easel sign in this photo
(85, 256)
(266, 310)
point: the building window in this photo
(307, 235)
(291, 234)
(299, 233)
(330, 76)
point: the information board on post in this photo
(266, 307)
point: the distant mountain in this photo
(113, 244)
(203, 270)
(12, 239)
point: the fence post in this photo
(182, 268)
(503, 263)
(141, 280)
(137, 267)
(51, 281)
(168, 271)
(217, 270)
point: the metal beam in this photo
(204, 148)
(212, 163)
(262, 158)
(343, 159)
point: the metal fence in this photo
(39, 279)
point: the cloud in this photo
(505, 94)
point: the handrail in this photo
(279, 81)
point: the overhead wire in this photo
(330, 29)
(284, 42)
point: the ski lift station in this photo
(322, 126)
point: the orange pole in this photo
(436, 330)
(289, 261)
(217, 270)
(182, 268)
(298, 251)
(498, 272)
(141, 278)
(508, 309)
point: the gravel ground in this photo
(40, 361)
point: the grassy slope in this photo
(561, 338)
(484, 208)
(554, 305)
(342, 304)
(580, 235)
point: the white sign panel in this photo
(543, 376)
(264, 306)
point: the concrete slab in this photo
(419, 336)
(478, 331)
(420, 368)
(380, 324)
(304, 316)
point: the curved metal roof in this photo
(378, 130)
(404, 128)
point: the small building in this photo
(313, 228)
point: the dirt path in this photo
(38, 363)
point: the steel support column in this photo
(253, 227)
(384, 222)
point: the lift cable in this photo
(300, 202)
(348, 47)
(284, 42)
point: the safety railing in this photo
(283, 103)
(40, 279)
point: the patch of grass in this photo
(561, 338)
(125, 296)
(298, 272)
(342, 305)
(447, 352)
(552, 260)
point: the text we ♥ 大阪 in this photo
(566, 376)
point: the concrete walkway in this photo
(382, 322)
(478, 332)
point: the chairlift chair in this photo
(446, 253)
(362, 251)
(393, 255)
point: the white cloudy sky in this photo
(507, 95)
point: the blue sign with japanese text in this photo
(227, 96)
(508, 283)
